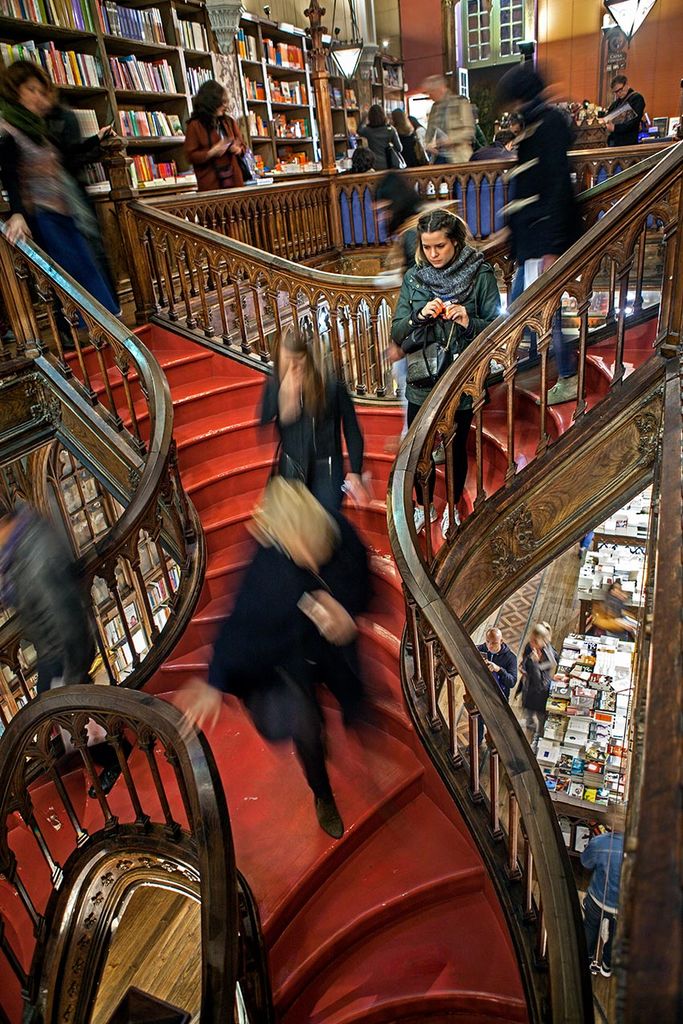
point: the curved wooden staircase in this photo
(399, 919)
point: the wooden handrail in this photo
(109, 396)
(441, 586)
(187, 814)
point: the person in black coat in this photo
(626, 131)
(538, 667)
(543, 216)
(381, 138)
(292, 626)
(310, 410)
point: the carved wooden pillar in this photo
(448, 38)
(321, 84)
(115, 162)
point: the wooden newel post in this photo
(321, 84)
(115, 161)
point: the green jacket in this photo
(483, 307)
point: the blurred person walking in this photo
(450, 127)
(543, 216)
(44, 200)
(292, 626)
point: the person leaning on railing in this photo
(446, 300)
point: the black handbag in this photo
(428, 355)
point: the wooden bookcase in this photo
(391, 72)
(277, 91)
(345, 110)
(106, 31)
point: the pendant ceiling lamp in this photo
(629, 14)
(347, 53)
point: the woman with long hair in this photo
(45, 201)
(310, 409)
(413, 153)
(213, 141)
(446, 300)
(381, 138)
(292, 626)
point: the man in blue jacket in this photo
(604, 855)
(501, 663)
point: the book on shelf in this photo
(196, 77)
(285, 55)
(140, 124)
(145, 170)
(254, 90)
(191, 34)
(62, 13)
(65, 67)
(257, 125)
(288, 92)
(142, 76)
(129, 23)
(292, 128)
(87, 122)
(247, 46)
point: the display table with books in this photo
(584, 747)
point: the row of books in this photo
(257, 125)
(63, 66)
(144, 76)
(247, 46)
(191, 34)
(288, 92)
(254, 90)
(294, 128)
(285, 55)
(129, 23)
(142, 124)
(145, 168)
(87, 122)
(346, 98)
(583, 748)
(197, 77)
(65, 13)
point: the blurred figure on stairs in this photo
(543, 216)
(292, 626)
(310, 407)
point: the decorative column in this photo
(448, 37)
(225, 20)
(321, 84)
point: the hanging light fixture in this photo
(629, 14)
(347, 53)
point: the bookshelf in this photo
(277, 94)
(135, 65)
(345, 111)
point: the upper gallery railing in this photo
(66, 868)
(102, 397)
(451, 589)
(230, 293)
(300, 220)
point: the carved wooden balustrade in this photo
(227, 293)
(527, 508)
(68, 865)
(223, 290)
(300, 220)
(75, 381)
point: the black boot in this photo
(329, 818)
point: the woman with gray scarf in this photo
(452, 292)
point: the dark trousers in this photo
(592, 914)
(463, 422)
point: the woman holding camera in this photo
(446, 300)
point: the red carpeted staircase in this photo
(398, 920)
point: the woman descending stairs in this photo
(398, 920)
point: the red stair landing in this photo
(398, 919)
